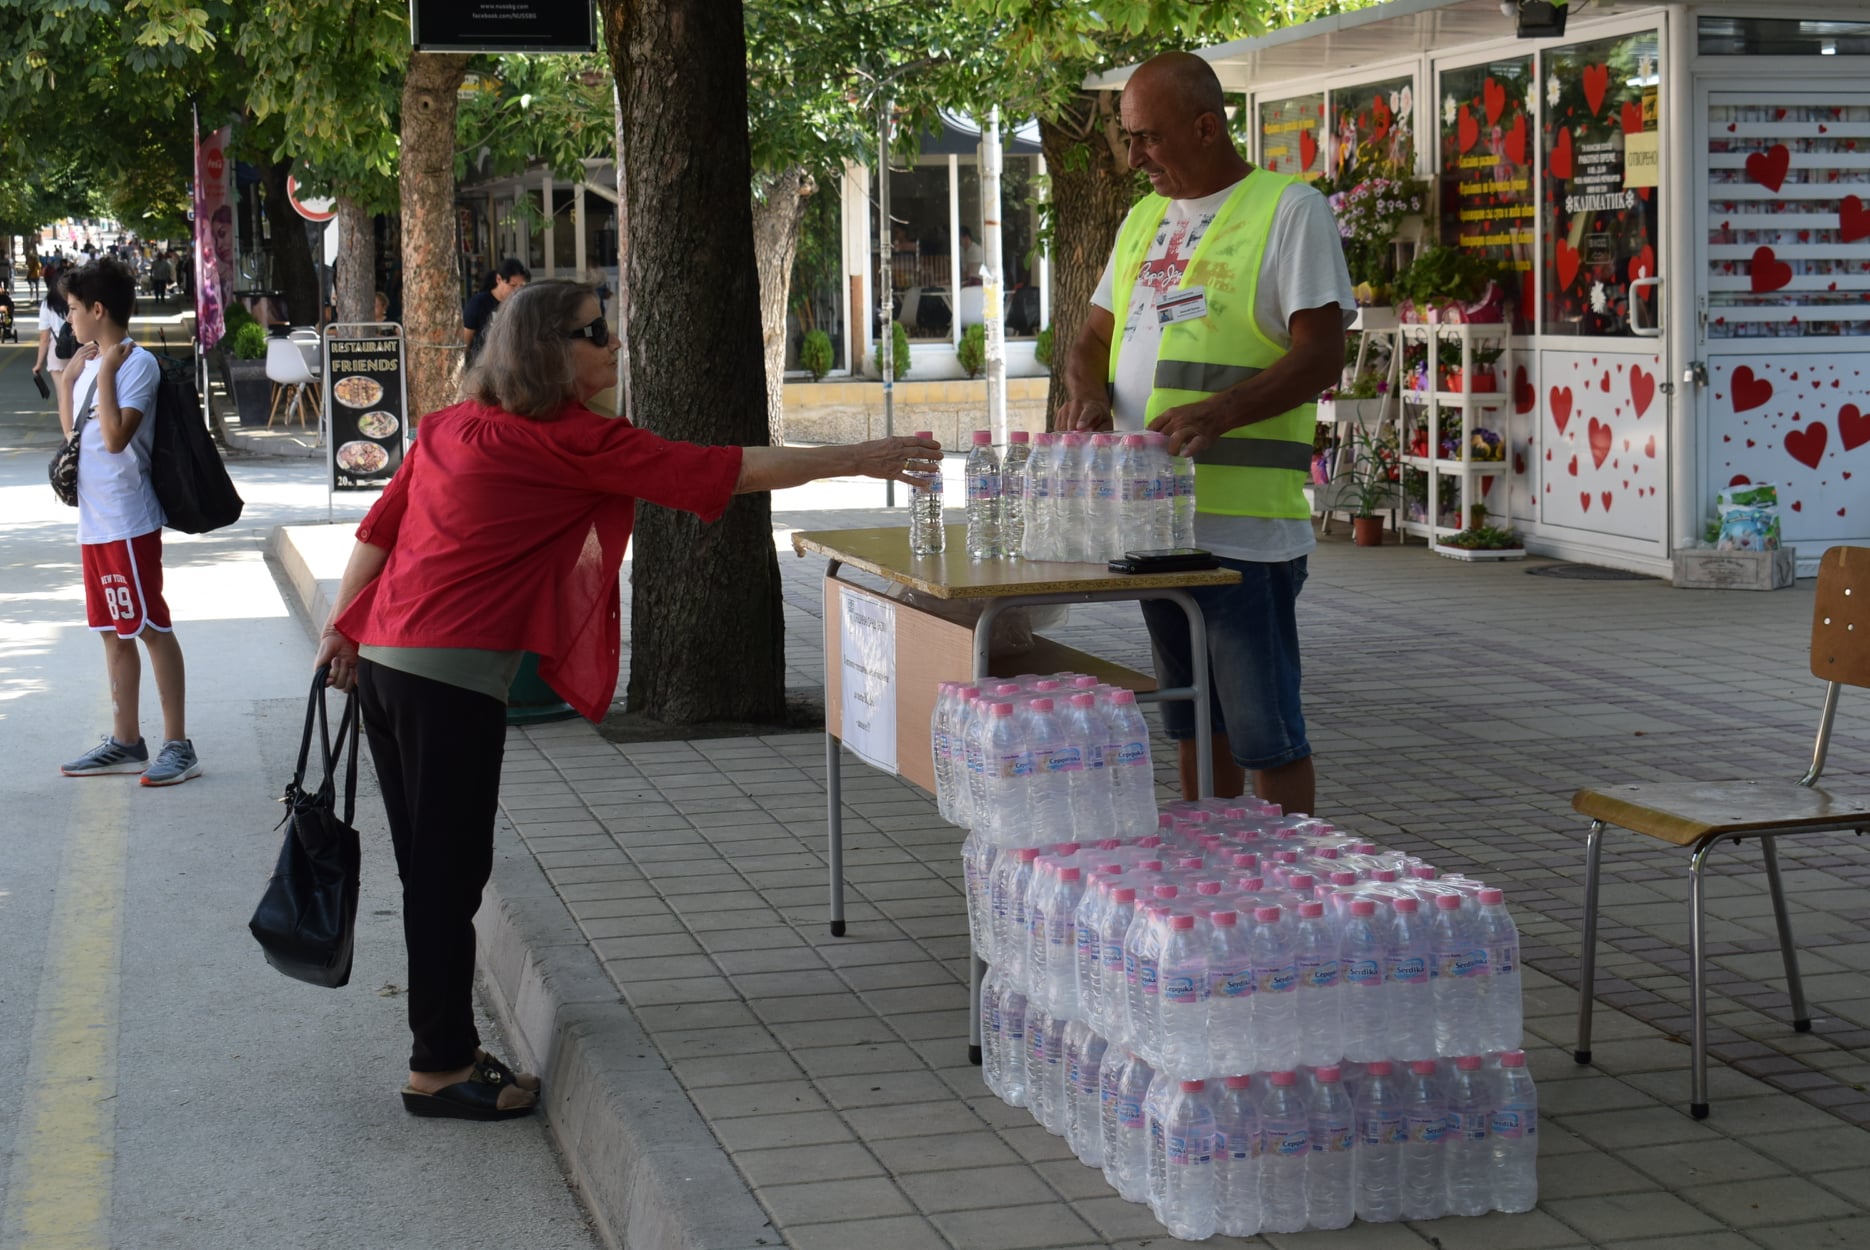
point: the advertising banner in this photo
(367, 399)
(868, 647)
(502, 25)
(214, 233)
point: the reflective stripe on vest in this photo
(1259, 469)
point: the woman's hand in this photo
(901, 459)
(341, 654)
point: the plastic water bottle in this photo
(1009, 774)
(1041, 468)
(1048, 804)
(1071, 487)
(1126, 1131)
(1425, 1123)
(1406, 973)
(1501, 1007)
(1087, 788)
(1321, 994)
(943, 722)
(1141, 955)
(1230, 994)
(1013, 493)
(974, 721)
(1188, 1204)
(1469, 1149)
(1136, 502)
(1285, 1123)
(1366, 997)
(1010, 884)
(1183, 990)
(992, 1044)
(1161, 531)
(1381, 1131)
(1084, 1062)
(1085, 926)
(1515, 1134)
(1182, 473)
(1012, 1044)
(1128, 764)
(1237, 1152)
(1102, 518)
(977, 872)
(1046, 1043)
(1275, 993)
(927, 537)
(983, 499)
(1330, 1195)
(1112, 1005)
(1156, 1116)
(1061, 941)
(1460, 972)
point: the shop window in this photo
(919, 256)
(1291, 135)
(1019, 259)
(1374, 123)
(815, 298)
(1602, 198)
(1487, 201)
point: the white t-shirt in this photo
(49, 320)
(1303, 268)
(115, 497)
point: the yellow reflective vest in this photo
(1259, 469)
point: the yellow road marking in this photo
(59, 1193)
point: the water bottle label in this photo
(1462, 965)
(1276, 980)
(1332, 1139)
(1384, 1131)
(1131, 970)
(1319, 974)
(983, 487)
(1180, 989)
(929, 484)
(1065, 760)
(1504, 960)
(1230, 982)
(1061, 935)
(1103, 488)
(1130, 1112)
(1094, 756)
(1013, 766)
(1111, 956)
(1428, 1130)
(1146, 974)
(1185, 485)
(1037, 1042)
(1238, 1145)
(1086, 941)
(1126, 753)
(1515, 1124)
(1038, 488)
(1409, 970)
(1362, 972)
(1469, 1128)
(1186, 1151)
(1292, 1144)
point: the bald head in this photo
(1175, 124)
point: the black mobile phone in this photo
(38, 380)
(1164, 560)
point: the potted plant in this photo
(815, 355)
(1363, 394)
(1445, 283)
(972, 352)
(1481, 541)
(899, 352)
(1367, 487)
(247, 383)
(1371, 196)
(1482, 359)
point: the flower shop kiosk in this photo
(1677, 196)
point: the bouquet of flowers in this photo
(1371, 202)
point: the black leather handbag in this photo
(307, 920)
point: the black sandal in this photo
(520, 1080)
(477, 1098)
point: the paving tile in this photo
(1845, 1234)
(906, 1232)
(1035, 1144)
(1645, 1126)
(846, 1199)
(841, 1006)
(931, 1152)
(1769, 1200)
(1587, 1173)
(1359, 1236)
(975, 1187)
(882, 1089)
(795, 1164)
(1532, 1230)
(721, 1102)
(701, 1043)
(1698, 1163)
(1630, 1215)
(765, 1132)
(1014, 1228)
(1696, 1241)
(764, 985)
(1817, 1149)
(735, 1070)
(880, 1124)
(833, 1061)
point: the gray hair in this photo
(525, 367)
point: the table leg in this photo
(834, 829)
(977, 967)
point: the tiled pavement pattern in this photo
(1454, 709)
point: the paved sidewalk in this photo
(1454, 709)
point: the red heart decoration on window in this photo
(1561, 407)
(1567, 259)
(1642, 389)
(1750, 392)
(1584, 497)
(1561, 154)
(1467, 130)
(1632, 117)
(1572, 468)
(1308, 150)
(1649, 449)
(1524, 397)
(1516, 141)
(1596, 82)
(1643, 264)
(1605, 497)
(1769, 273)
(1853, 427)
(1768, 168)
(1853, 220)
(1600, 443)
(1807, 446)
(1493, 96)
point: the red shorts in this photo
(123, 585)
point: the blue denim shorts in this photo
(1253, 662)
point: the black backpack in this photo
(185, 468)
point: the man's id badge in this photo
(1185, 304)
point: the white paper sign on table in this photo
(868, 625)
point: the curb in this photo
(645, 1163)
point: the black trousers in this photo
(438, 750)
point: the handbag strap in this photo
(84, 409)
(349, 724)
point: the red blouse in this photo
(508, 533)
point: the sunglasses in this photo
(598, 332)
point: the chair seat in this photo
(1685, 813)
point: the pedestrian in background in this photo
(32, 272)
(504, 532)
(161, 274)
(51, 322)
(495, 290)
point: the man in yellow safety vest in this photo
(1234, 296)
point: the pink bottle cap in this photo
(1424, 872)
(1041, 705)
(1266, 915)
(1383, 874)
(1329, 852)
(1246, 859)
(1208, 887)
(1181, 922)
(1042, 440)
(983, 438)
(1149, 865)
(1046, 684)
(1084, 700)
(1252, 885)
(1366, 848)
(1407, 906)
(1327, 1075)
(1193, 1087)
(1070, 874)
(1468, 1063)
(1026, 854)
(1226, 918)
(1363, 907)
(1122, 697)
(1380, 1068)
(1166, 891)
(1300, 881)
(1020, 436)
(1512, 1058)
(1194, 862)
(1237, 1082)
(1283, 1079)
(1085, 683)
(1103, 438)
(1492, 897)
(1133, 440)
(1123, 895)
(1109, 844)
(1003, 709)
(1422, 1067)
(1007, 687)
(1343, 878)
(928, 434)
(1311, 910)
(1065, 848)
(1448, 902)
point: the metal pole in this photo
(886, 255)
(993, 310)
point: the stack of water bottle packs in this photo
(1248, 1020)
(1067, 496)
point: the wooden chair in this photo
(1702, 815)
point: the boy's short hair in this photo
(103, 281)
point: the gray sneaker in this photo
(108, 756)
(175, 763)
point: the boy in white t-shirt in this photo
(111, 386)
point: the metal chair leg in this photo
(1697, 984)
(1801, 1014)
(834, 828)
(1587, 952)
(976, 973)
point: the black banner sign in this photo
(365, 394)
(502, 26)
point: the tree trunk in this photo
(357, 263)
(431, 283)
(1092, 188)
(707, 626)
(776, 217)
(295, 273)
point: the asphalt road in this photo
(160, 1085)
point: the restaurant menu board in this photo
(1289, 135)
(1374, 121)
(1487, 198)
(368, 403)
(1601, 191)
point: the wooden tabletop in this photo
(951, 575)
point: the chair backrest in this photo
(1841, 617)
(284, 363)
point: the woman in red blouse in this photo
(502, 533)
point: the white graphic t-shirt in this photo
(115, 497)
(1303, 268)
